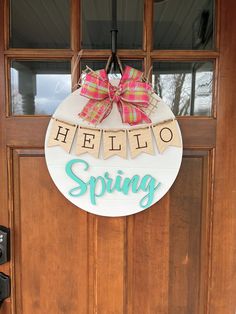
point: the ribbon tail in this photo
(96, 111)
(132, 114)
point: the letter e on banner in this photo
(114, 143)
(140, 141)
(62, 134)
(166, 134)
(88, 141)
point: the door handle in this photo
(4, 244)
(4, 287)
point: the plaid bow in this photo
(132, 97)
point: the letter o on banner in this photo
(112, 169)
(166, 135)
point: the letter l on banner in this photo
(114, 143)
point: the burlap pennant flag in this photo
(114, 143)
(88, 141)
(140, 141)
(61, 134)
(166, 134)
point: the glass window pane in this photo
(40, 24)
(38, 87)
(97, 24)
(101, 64)
(184, 24)
(185, 86)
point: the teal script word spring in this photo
(98, 186)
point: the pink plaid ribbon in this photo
(131, 95)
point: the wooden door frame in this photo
(222, 253)
(223, 282)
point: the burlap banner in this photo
(140, 141)
(166, 134)
(62, 134)
(114, 142)
(88, 141)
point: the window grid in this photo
(147, 54)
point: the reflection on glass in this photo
(183, 24)
(97, 24)
(38, 87)
(101, 64)
(40, 24)
(185, 86)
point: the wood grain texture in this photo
(50, 243)
(38, 54)
(180, 55)
(184, 55)
(185, 238)
(109, 264)
(132, 272)
(75, 42)
(3, 165)
(163, 260)
(75, 25)
(147, 263)
(223, 287)
(148, 33)
(196, 132)
(4, 201)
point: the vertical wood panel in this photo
(3, 165)
(109, 264)
(185, 238)
(4, 211)
(167, 245)
(148, 256)
(75, 42)
(51, 262)
(148, 33)
(223, 287)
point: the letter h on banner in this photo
(62, 134)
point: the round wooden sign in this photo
(113, 179)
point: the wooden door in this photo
(178, 257)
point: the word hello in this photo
(99, 186)
(115, 141)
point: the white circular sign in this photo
(149, 176)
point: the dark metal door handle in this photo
(5, 289)
(4, 244)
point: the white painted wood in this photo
(163, 167)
